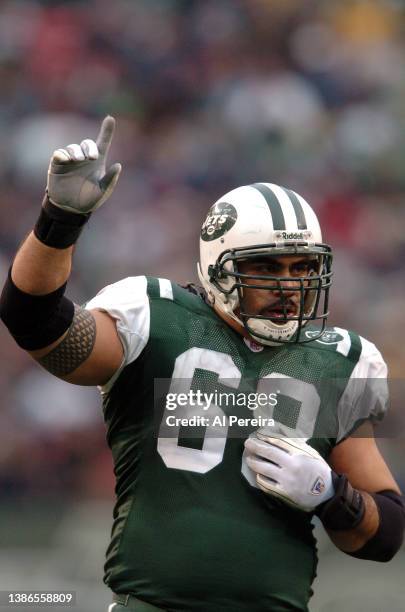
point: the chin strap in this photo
(257, 326)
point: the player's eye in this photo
(302, 268)
(267, 268)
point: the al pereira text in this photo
(218, 421)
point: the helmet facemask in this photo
(312, 290)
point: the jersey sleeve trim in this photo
(344, 345)
(127, 302)
(165, 288)
(366, 394)
(159, 288)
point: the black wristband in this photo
(58, 228)
(345, 510)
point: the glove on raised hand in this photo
(289, 469)
(77, 178)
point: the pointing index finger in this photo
(105, 135)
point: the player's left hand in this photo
(289, 469)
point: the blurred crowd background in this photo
(208, 95)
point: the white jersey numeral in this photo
(211, 454)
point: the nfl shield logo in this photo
(318, 487)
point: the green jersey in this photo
(192, 531)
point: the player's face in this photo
(286, 298)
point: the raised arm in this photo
(75, 344)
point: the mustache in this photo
(289, 305)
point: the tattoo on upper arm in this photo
(75, 347)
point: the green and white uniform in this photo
(191, 530)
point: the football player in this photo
(221, 524)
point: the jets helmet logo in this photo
(221, 217)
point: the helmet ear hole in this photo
(212, 273)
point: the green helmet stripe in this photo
(274, 205)
(299, 211)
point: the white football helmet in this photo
(257, 221)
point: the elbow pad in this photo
(388, 538)
(35, 321)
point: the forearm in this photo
(379, 534)
(39, 269)
(354, 539)
(32, 303)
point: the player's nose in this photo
(288, 287)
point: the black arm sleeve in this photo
(35, 321)
(389, 536)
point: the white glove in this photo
(289, 469)
(77, 177)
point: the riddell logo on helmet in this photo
(292, 235)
